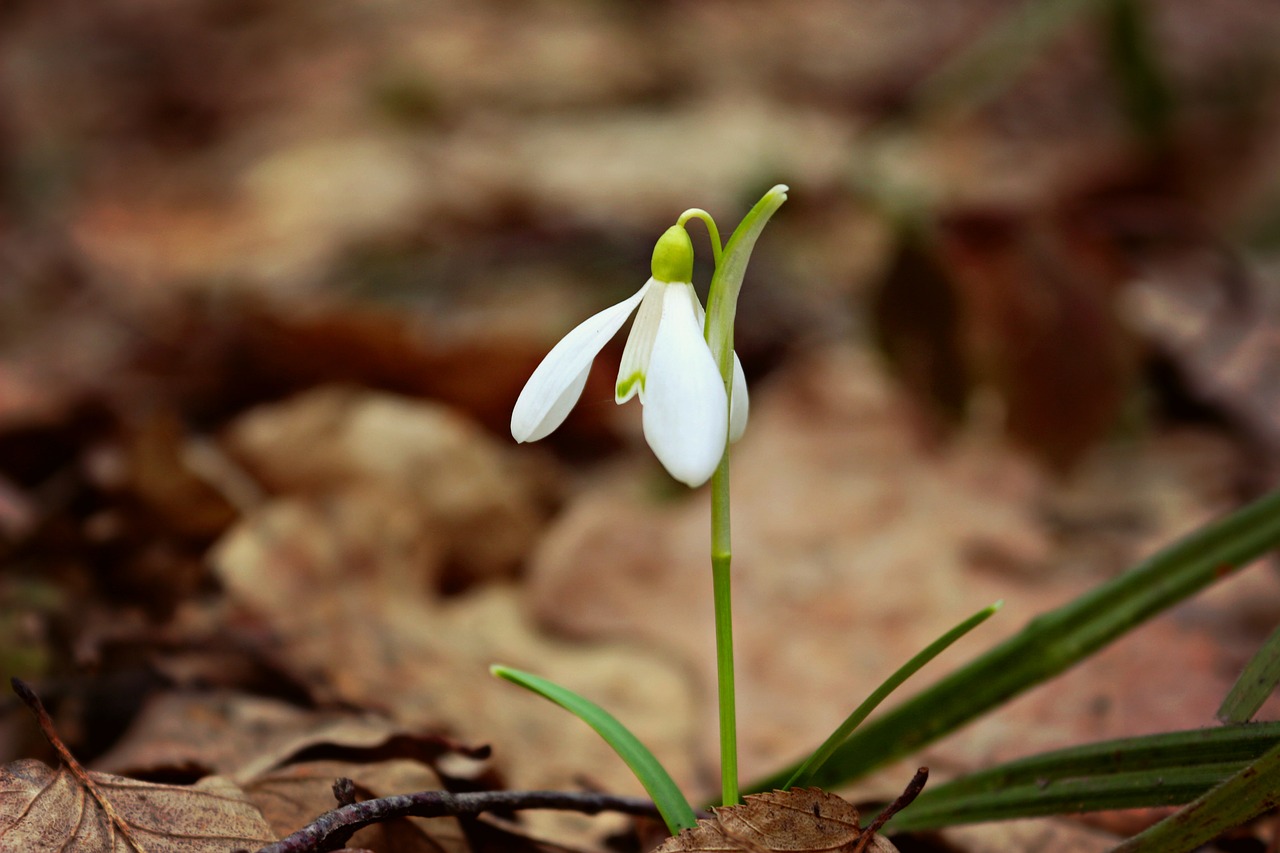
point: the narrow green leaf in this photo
(805, 772)
(1255, 684)
(675, 809)
(1153, 770)
(985, 69)
(1143, 86)
(1249, 793)
(1053, 642)
(726, 282)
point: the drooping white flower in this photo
(686, 415)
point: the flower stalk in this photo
(721, 558)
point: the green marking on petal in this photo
(625, 385)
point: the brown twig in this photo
(913, 789)
(331, 830)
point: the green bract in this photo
(673, 256)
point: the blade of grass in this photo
(998, 57)
(675, 809)
(1167, 787)
(1053, 642)
(1153, 770)
(805, 772)
(1143, 86)
(1259, 678)
(1249, 793)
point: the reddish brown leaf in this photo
(1040, 328)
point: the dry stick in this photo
(913, 789)
(32, 701)
(332, 829)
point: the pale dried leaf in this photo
(242, 737)
(424, 461)
(46, 809)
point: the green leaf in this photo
(675, 809)
(1153, 770)
(805, 772)
(1143, 87)
(1249, 793)
(1053, 642)
(726, 282)
(983, 70)
(1255, 684)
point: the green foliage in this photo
(1255, 684)
(804, 774)
(1154, 770)
(675, 809)
(1051, 643)
(1056, 640)
(1246, 795)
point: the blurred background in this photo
(272, 273)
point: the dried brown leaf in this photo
(286, 759)
(1221, 333)
(321, 581)
(46, 809)
(427, 461)
(804, 819)
(242, 737)
(1038, 324)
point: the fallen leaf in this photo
(1012, 301)
(243, 737)
(293, 796)
(72, 808)
(287, 758)
(1220, 330)
(428, 458)
(42, 809)
(355, 621)
(803, 819)
(1061, 835)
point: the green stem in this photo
(721, 556)
(731, 265)
(717, 249)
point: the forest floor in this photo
(273, 273)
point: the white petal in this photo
(635, 356)
(739, 402)
(558, 381)
(686, 414)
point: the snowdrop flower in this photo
(686, 415)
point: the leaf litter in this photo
(42, 808)
(205, 314)
(805, 820)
